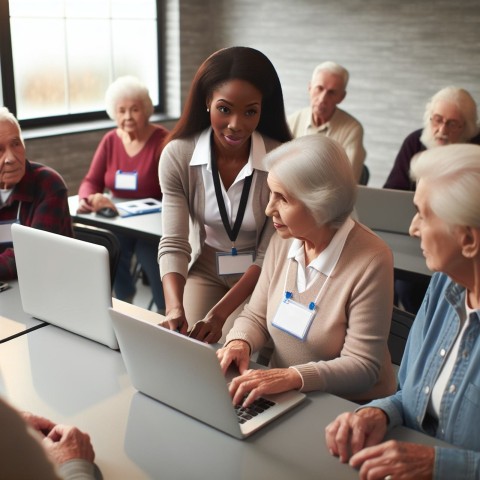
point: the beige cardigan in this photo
(183, 211)
(345, 351)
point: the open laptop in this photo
(385, 209)
(65, 282)
(185, 374)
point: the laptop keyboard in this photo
(257, 407)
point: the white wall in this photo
(399, 53)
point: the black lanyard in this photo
(232, 233)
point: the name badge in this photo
(229, 264)
(294, 318)
(126, 180)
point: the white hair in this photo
(316, 170)
(453, 172)
(127, 87)
(334, 68)
(7, 116)
(465, 104)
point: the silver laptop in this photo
(65, 282)
(385, 209)
(185, 374)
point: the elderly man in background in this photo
(30, 193)
(450, 117)
(328, 88)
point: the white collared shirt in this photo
(4, 194)
(216, 236)
(324, 263)
(444, 376)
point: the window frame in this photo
(8, 81)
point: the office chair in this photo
(399, 330)
(100, 236)
(365, 176)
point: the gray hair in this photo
(463, 101)
(334, 68)
(454, 172)
(7, 116)
(127, 87)
(316, 170)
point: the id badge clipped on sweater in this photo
(234, 263)
(126, 180)
(294, 318)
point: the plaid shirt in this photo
(44, 205)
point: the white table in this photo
(148, 226)
(13, 320)
(73, 380)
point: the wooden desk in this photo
(69, 379)
(147, 227)
(13, 320)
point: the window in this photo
(59, 56)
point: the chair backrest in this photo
(399, 330)
(365, 176)
(100, 236)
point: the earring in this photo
(208, 110)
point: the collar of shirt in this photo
(324, 127)
(4, 194)
(202, 153)
(23, 191)
(324, 263)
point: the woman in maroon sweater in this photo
(125, 165)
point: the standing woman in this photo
(126, 164)
(215, 190)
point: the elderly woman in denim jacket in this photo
(439, 379)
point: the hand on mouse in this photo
(99, 201)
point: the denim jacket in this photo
(432, 336)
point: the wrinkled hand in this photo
(236, 352)
(400, 460)
(351, 432)
(40, 424)
(175, 320)
(208, 330)
(65, 443)
(94, 202)
(255, 383)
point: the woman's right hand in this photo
(84, 206)
(351, 432)
(236, 351)
(175, 320)
(94, 202)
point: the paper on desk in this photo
(139, 207)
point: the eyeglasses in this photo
(439, 121)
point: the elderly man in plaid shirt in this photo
(30, 193)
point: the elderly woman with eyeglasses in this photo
(439, 377)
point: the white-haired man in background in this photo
(328, 88)
(450, 117)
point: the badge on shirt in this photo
(230, 263)
(294, 318)
(126, 180)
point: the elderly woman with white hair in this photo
(125, 165)
(439, 377)
(324, 296)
